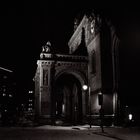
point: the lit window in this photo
(3, 94)
(10, 95)
(29, 109)
(30, 92)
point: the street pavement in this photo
(48, 132)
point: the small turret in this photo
(46, 51)
(46, 48)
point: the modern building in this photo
(7, 96)
(73, 88)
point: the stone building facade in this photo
(92, 61)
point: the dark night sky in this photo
(24, 28)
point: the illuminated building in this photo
(92, 61)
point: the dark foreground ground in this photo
(69, 133)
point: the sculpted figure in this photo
(46, 48)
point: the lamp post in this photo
(100, 98)
(85, 88)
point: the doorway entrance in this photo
(68, 100)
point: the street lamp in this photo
(100, 99)
(85, 88)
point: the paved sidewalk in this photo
(118, 133)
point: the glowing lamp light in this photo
(100, 93)
(85, 87)
(130, 116)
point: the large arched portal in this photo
(68, 99)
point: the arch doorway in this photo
(68, 99)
